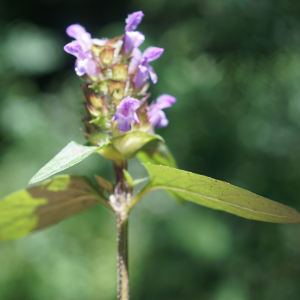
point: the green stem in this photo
(123, 276)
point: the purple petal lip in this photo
(152, 53)
(159, 119)
(156, 116)
(78, 32)
(126, 114)
(133, 20)
(75, 49)
(75, 31)
(152, 73)
(165, 101)
(144, 69)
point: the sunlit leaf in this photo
(72, 154)
(157, 153)
(48, 203)
(219, 195)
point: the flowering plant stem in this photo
(121, 198)
(123, 276)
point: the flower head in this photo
(116, 72)
(126, 113)
(156, 116)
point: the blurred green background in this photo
(234, 67)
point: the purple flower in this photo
(84, 62)
(81, 48)
(144, 69)
(126, 113)
(78, 32)
(156, 116)
(133, 39)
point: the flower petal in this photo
(153, 53)
(136, 57)
(141, 76)
(74, 48)
(91, 68)
(132, 39)
(152, 74)
(80, 66)
(75, 31)
(163, 121)
(126, 114)
(79, 33)
(135, 118)
(165, 101)
(133, 20)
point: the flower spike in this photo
(116, 75)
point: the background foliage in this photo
(234, 67)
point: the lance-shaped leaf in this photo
(157, 153)
(72, 154)
(35, 208)
(219, 195)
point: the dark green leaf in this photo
(104, 183)
(48, 203)
(219, 195)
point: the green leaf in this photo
(126, 146)
(219, 195)
(139, 180)
(128, 178)
(104, 183)
(157, 153)
(72, 154)
(132, 142)
(46, 204)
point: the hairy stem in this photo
(123, 276)
(121, 190)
